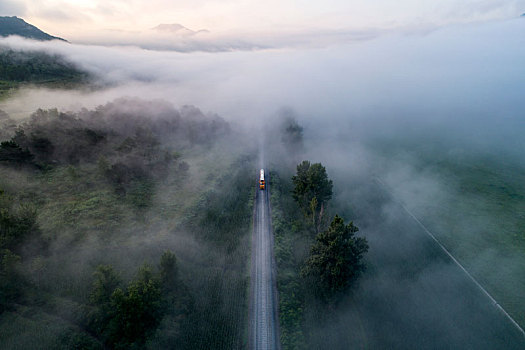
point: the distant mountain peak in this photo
(173, 27)
(177, 28)
(17, 26)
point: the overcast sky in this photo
(89, 21)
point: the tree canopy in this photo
(11, 152)
(336, 258)
(312, 189)
(136, 311)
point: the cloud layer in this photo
(461, 79)
(103, 22)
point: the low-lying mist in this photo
(435, 116)
(464, 82)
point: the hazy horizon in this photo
(464, 80)
(248, 25)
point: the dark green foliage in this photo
(95, 177)
(11, 282)
(135, 312)
(311, 181)
(291, 309)
(125, 317)
(106, 281)
(312, 190)
(290, 252)
(222, 220)
(16, 224)
(11, 153)
(60, 138)
(128, 318)
(131, 160)
(129, 144)
(177, 305)
(22, 68)
(336, 258)
(304, 295)
(37, 67)
(140, 193)
(42, 147)
(75, 340)
(225, 211)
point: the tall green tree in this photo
(106, 280)
(336, 259)
(312, 190)
(137, 311)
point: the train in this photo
(262, 183)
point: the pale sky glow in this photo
(86, 20)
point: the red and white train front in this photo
(262, 183)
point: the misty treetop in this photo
(315, 271)
(312, 189)
(335, 259)
(131, 141)
(126, 317)
(311, 181)
(291, 132)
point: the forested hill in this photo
(21, 68)
(17, 26)
(33, 66)
(36, 67)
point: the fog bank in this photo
(455, 78)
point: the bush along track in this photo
(289, 282)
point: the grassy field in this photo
(475, 205)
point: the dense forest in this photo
(34, 67)
(115, 232)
